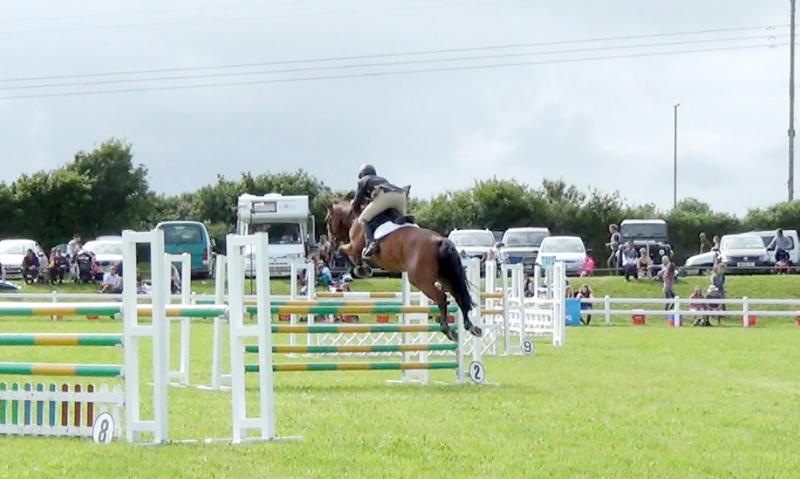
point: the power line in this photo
(391, 63)
(386, 73)
(768, 28)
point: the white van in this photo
(794, 252)
(568, 249)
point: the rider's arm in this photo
(361, 192)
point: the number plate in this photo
(745, 264)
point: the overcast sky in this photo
(606, 123)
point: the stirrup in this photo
(370, 250)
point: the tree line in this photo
(103, 191)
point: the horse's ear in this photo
(350, 195)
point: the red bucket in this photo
(637, 319)
(752, 320)
(383, 318)
(284, 317)
(451, 319)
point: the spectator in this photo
(668, 276)
(629, 258)
(324, 249)
(715, 249)
(74, 246)
(30, 267)
(463, 254)
(643, 264)
(704, 244)
(142, 287)
(530, 289)
(175, 279)
(781, 244)
(585, 293)
(714, 293)
(112, 283)
(718, 278)
(588, 264)
(324, 276)
(58, 266)
(613, 245)
(698, 307)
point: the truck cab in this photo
(652, 235)
(288, 222)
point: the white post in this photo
(474, 284)
(504, 287)
(559, 303)
(293, 297)
(158, 330)
(217, 378)
(241, 423)
(745, 313)
(185, 259)
(536, 273)
(519, 274)
(606, 309)
(676, 312)
(311, 282)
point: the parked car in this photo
(743, 252)
(190, 237)
(521, 245)
(107, 252)
(699, 263)
(11, 253)
(652, 235)
(791, 235)
(475, 243)
(569, 249)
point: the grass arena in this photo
(616, 401)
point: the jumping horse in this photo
(425, 255)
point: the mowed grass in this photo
(614, 402)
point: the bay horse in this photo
(425, 255)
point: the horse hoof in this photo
(451, 335)
(476, 331)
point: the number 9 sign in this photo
(477, 373)
(103, 429)
(527, 347)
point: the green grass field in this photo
(617, 401)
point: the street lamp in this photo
(675, 157)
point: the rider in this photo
(381, 196)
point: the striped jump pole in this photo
(59, 369)
(59, 339)
(357, 348)
(365, 366)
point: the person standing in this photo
(613, 245)
(629, 260)
(668, 276)
(705, 245)
(781, 245)
(718, 279)
(715, 249)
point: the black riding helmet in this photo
(365, 170)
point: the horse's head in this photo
(340, 218)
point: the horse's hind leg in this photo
(439, 297)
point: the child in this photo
(698, 307)
(585, 293)
(714, 293)
(643, 264)
(588, 265)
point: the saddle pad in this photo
(389, 227)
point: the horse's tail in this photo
(451, 271)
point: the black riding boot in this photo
(372, 245)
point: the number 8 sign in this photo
(103, 429)
(477, 373)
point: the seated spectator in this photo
(58, 266)
(324, 249)
(643, 264)
(324, 276)
(142, 287)
(714, 293)
(629, 257)
(697, 307)
(112, 283)
(30, 267)
(585, 293)
(530, 290)
(175, 280)
(588, 265)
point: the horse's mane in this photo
(350, 196)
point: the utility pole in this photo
(675, 156)
(791, 105)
